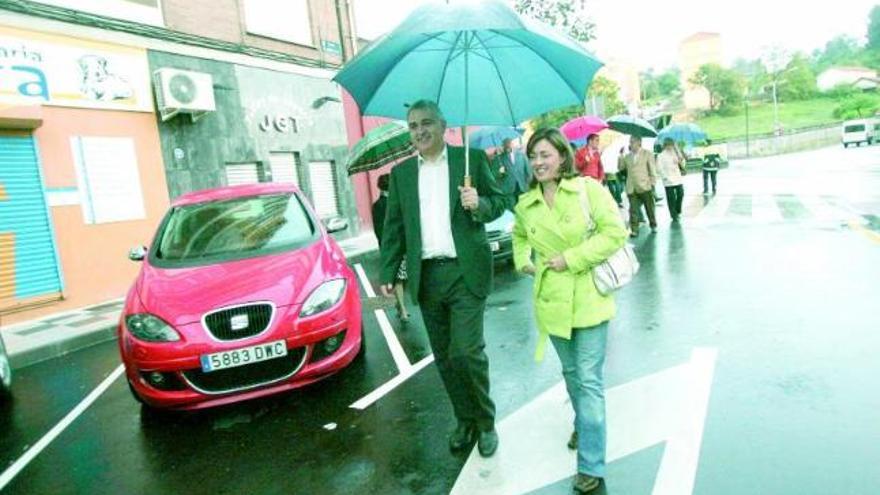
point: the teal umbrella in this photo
(380, 146)
(633, 126)
(690, 134)
(481, 62)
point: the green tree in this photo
(754, 74)
(669, 82)
(725, 86)
(840, 50)
(798, 80)
(602, 88)
(874, 29)
(567, 15)
(857, 106)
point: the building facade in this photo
(693, 52)
(112, 110)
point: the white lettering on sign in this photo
(281, 123)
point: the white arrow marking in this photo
(668, 406)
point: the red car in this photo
(242, 294)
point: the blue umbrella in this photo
(690, 134)
(481, 62)
(493, 136)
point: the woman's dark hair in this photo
(558, 141)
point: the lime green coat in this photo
(567, 299)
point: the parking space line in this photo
(397, 352)
(390, 385)
(44, 442)
(868, 233)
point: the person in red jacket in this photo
(588, 160)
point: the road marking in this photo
(764, 209)
(367, 400)
(397, 352)
(870, 234)
(668, 406)
(44, 442)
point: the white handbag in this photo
(620, 268)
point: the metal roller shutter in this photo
(285, 167)
(322, 179)
(242, 173)
(28, 262)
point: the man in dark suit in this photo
(436, 224)
(511, 170)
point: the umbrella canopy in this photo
(382, 145)
(633, 126)
(689, 134)
(481, 63)
(493, 136)
(579, 128)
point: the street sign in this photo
(331, 47)
(668, 406)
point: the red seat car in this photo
(242, 294)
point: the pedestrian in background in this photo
(671, 165)
(437, 225)
(641, 174)
(711, 164)
(511, 171)
(379, 209)
(551, 223)
(588, 160)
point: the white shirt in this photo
(434, 211)
(667, 162)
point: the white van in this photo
(857, 132)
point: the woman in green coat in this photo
(551, 242)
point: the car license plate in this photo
(243, 356)
(495, 246)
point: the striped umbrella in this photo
(381, 146)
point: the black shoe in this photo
(463, 437)
(573, 441)
(584, 483)
(487, 443)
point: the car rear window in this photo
(232, 229)
(854, 128)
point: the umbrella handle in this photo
(467, 181)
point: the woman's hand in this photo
(557, 263)
(528, 269)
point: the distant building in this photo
(694, 51)
(626, 76)
(862, 77)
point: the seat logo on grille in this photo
(238, 322)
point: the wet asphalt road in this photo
(787, 296)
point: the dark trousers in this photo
(636, 200)
(674, 198)
(453, 318)
(707, 174)
(616, 188)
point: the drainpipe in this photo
(341, 32)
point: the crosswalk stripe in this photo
(764, 209)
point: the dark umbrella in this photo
(633, 126)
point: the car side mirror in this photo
(335, 224)
(137, 253)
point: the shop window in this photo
(322, 184)
(108, 179)
(285, 167)
(242, 173)
(286, 21)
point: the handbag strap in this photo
(585, 207)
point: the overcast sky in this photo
(647, 33)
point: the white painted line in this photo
(44, 442)
(667, 406)
(390, 385)
(397, 352)
(365, 282)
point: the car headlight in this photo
(324, 297)
(151, 328)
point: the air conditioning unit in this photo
(183, 91)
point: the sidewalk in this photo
(52, 336)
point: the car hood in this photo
(182, 295)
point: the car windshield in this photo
(236, 228)
(855, 128)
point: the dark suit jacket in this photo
(515, 178)
(402, 233)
